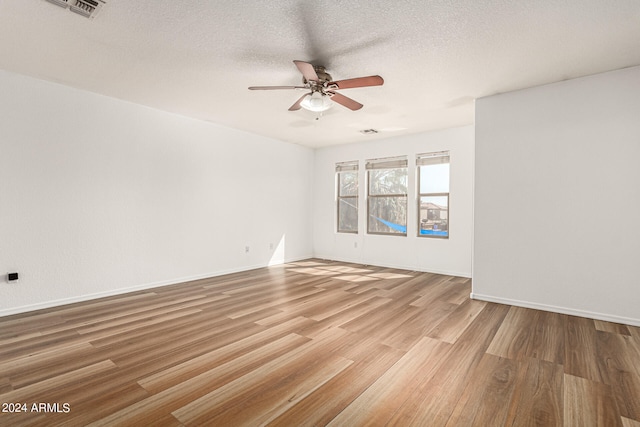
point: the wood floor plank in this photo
(251, 403)
(159, 404)
(548, 339)
(344, 302)
(17, 337)
(5, 385)
(626, 422)
(170, 328)
(512, 339)
(201, 337)
(619, 370)
(295, 374)
(325, 403)
(538, 398)
(588, 403)
(458, 292)
(25, 371)
(633, 346)
(418, 326)
(125, 315)
(33, 391)
(387, 329)
(56, 315)
(47, 356)
(378, 403)
(436, 397)
(85, 410)
(197, 365)
(137, 324)
(38, 343)
(239, 307)
(21, 324)
(531, 333)
(434, 287)
(345, 316)
(614, 328)
(482, 401)
(372, 321)
(580, 349)
(454, 325)
(314, 304)
(300, 298)
(317, 342)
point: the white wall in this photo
(557, 199)
(447, 256)
(100, 196)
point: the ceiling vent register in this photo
(369, 131)
(86, 8)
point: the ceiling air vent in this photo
(86, 8)
(61, 3)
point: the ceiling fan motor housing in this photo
(323, 76)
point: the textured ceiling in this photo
(197, 58)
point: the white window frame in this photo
(427, 159)
(386, 163)
(350, 199)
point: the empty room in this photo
(311, 213)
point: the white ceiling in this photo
(197, 58)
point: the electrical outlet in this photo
(12, 277)
(246, 249)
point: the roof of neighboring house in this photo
(432, 206)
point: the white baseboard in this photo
(391, 265)
(556, 309)
(120, 291)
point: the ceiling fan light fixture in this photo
(316, 102)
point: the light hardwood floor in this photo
(316, 343)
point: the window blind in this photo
(387, 163)
(347, 166)
(432, 158)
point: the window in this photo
(347, 181)
(387, 196)
(433, 194)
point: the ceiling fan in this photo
(323, 88)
